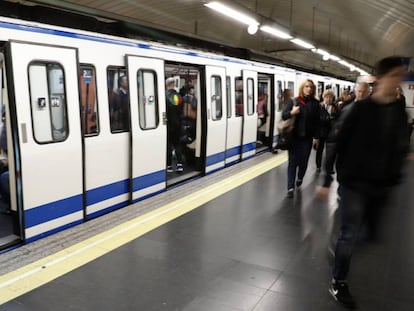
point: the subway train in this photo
(86, 120)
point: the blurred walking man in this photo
(371, 143)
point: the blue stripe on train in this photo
(148, 180)
(53, 210)
(233, 151)
(107, 192)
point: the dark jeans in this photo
(357, 208)
(298, 159)
(173, 142)
(319, 152)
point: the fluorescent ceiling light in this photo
(232, 13)
(322, 52)
(302, 43)
(335, 58)
(276, 32)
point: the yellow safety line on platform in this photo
(36, 274)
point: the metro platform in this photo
(228, 241)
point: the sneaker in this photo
(299, 182)
(340, 292)
(180, 167)
(170, 169)
(290, 193)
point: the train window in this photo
(147, 99)
(320, 90)
(228, 96)
(279, 95)
(48, 102)
(238, 89)
(118, 99)
(250, 96)
(89, 103)
(216, 98)
(291, 86)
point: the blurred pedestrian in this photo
(371, 144)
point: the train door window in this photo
(228, 96)
(238, 89)
(320, 90)
(216, 98)
(279, 95)
(337, 91)
(89, 103)
(118, 99)
(250, 96)
(48, 102)
(147, 99)
(291, 86)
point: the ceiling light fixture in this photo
(302, 43)
(232, 13)
(276, 32)
(252, 29)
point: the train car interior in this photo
(265, 104)
(187, 84)
(9, 217)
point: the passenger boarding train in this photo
(76, 149)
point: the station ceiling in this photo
(358, 31)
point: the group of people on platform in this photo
(366, 137)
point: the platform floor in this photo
(248, 249)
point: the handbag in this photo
(285, 129)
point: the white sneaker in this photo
(170, 169)
(180, 167)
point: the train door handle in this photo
(24, 132)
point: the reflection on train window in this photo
(48, 102)
(228, 96)
(118, 99)
(89, 103)
(147, 99)
(250, 96)
(216, 98)
(291, 86)
(239, 96)
(279, 95)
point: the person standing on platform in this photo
(371, 143)
(305, 109)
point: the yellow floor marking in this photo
(27, 278)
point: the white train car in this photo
(86, 120)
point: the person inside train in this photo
(371, 143)
(327, 115)
(174, 103)
(119, 106)
(4, 169)
(190, 113)
(261, 108)
(305, 109)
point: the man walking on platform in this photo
(371, 144)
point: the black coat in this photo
(369, 153)
(307, 121)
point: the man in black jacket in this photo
(371, 144)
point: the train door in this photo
(278, 107)
(250, 114)
(148, 126)
(265, 104)
(46, 159)
(216, 117)
(234, 87)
